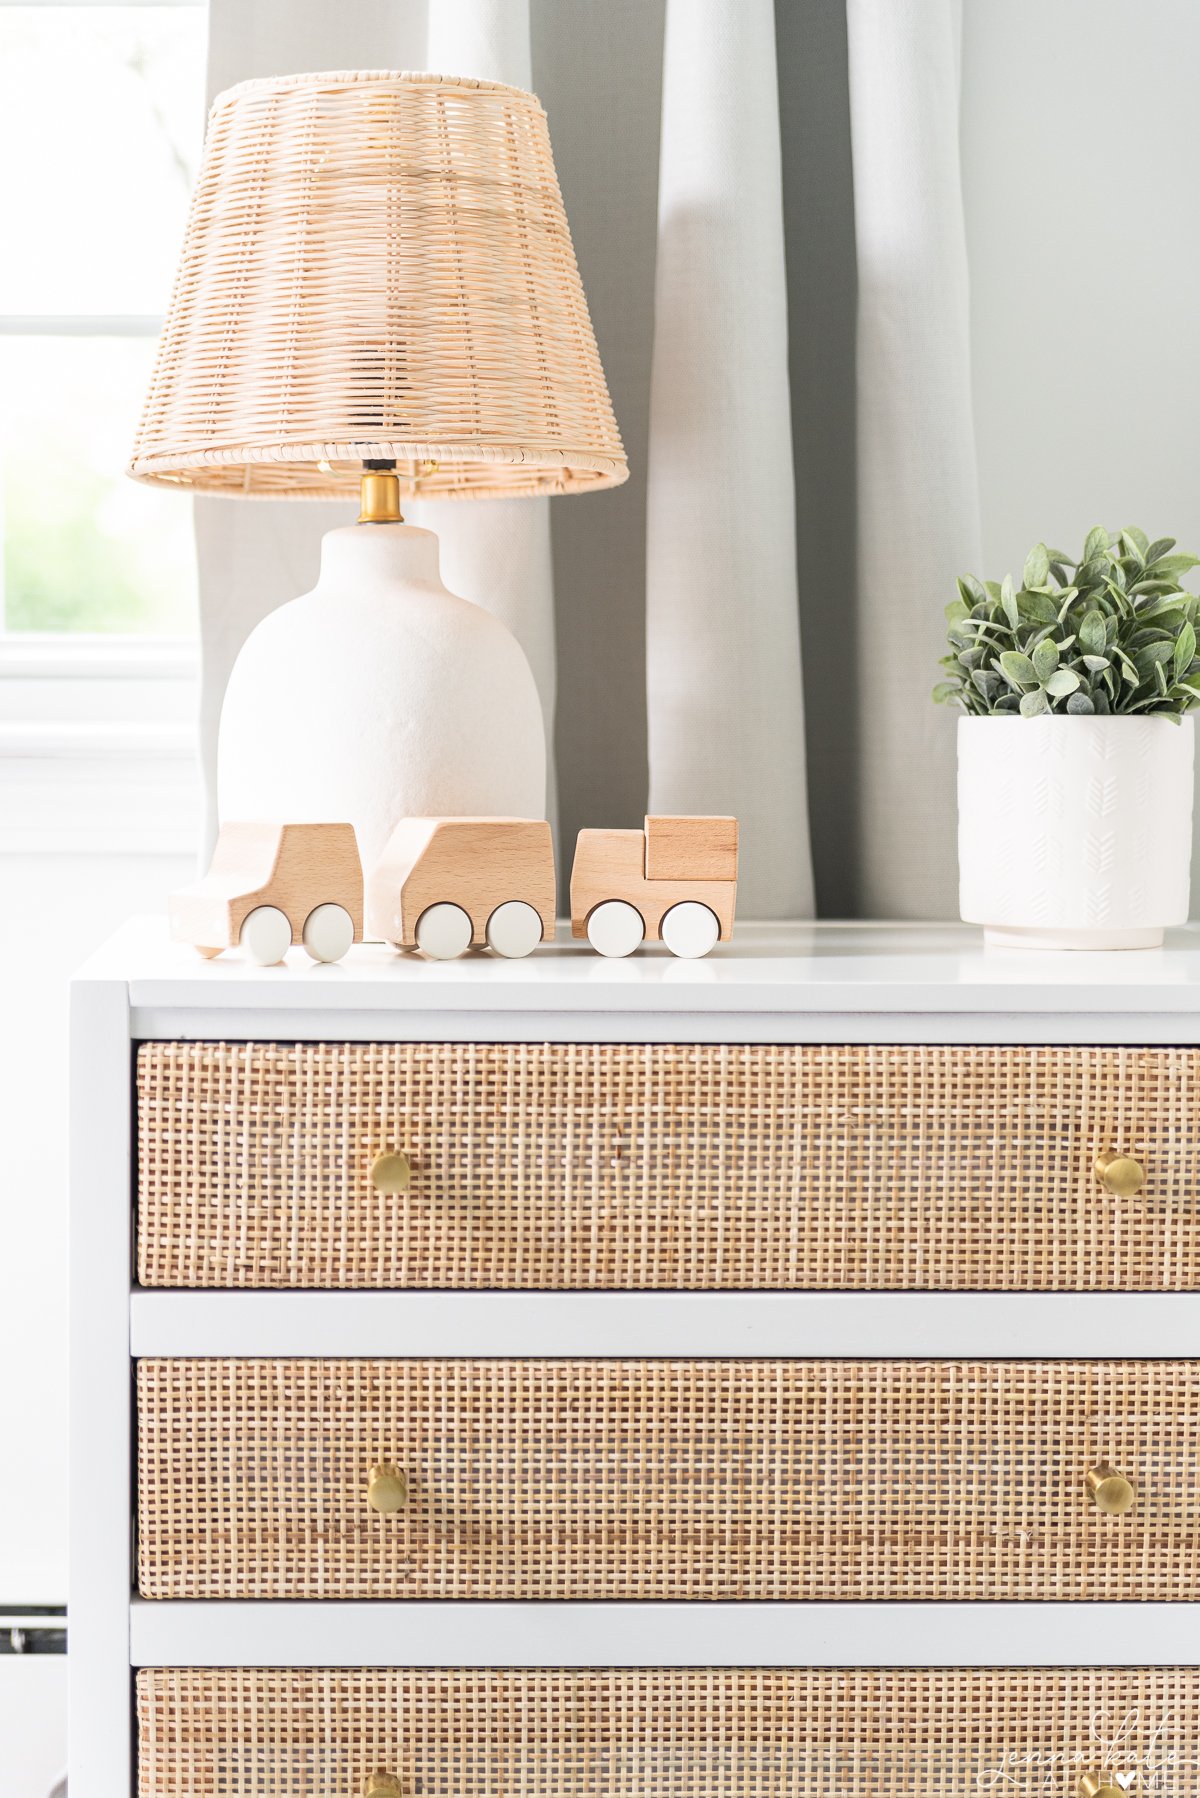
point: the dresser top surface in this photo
(776, 968)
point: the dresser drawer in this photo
(665, 1732)
(692, 1166)
(628, 1479)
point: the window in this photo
(101, 123)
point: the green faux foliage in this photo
(1112, 632)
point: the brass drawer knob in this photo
(391, 1171)
(1111, 1490)
(386, 1785)
(1100, 1785)
(387, 1489)
(1120, 1174)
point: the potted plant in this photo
(1075, 748)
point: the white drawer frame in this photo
(902, 984)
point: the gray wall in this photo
(1081, 174)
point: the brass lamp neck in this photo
(379, 495)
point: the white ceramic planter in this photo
(1075, 833)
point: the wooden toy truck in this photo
(445, 884)
(271, 885)
(676, 880)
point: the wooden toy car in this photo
(445, 884)
(271, 885)
(676, 880)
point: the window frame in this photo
(73, 702)
(80, 324)
(83, 324)
(98, 744)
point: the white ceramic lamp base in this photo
(380, 695)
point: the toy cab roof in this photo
(691, 848)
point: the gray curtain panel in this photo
(766, 206)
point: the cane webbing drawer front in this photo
(634, 1479)
(651, 1166)
(665, 1733)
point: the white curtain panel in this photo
(918, 507)
(725, 705)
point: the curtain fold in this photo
(726, 259)
(497, 554)
(724, 697)
(918, 503)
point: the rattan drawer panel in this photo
(665, 1732)
(695, 1166)
(628, 1479)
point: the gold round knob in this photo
(391, 1171)
(1100, 1785)
(386, 1785)
(387, 1488)
(1120, 1174)
(1111, 1490)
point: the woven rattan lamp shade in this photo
(378, 266)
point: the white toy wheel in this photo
(328, 932)
(615, 928)
(443, 931)
(690, 929)
(266, 935)
(514, 929)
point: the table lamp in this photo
(377, 290)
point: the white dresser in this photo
(763, 1376)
